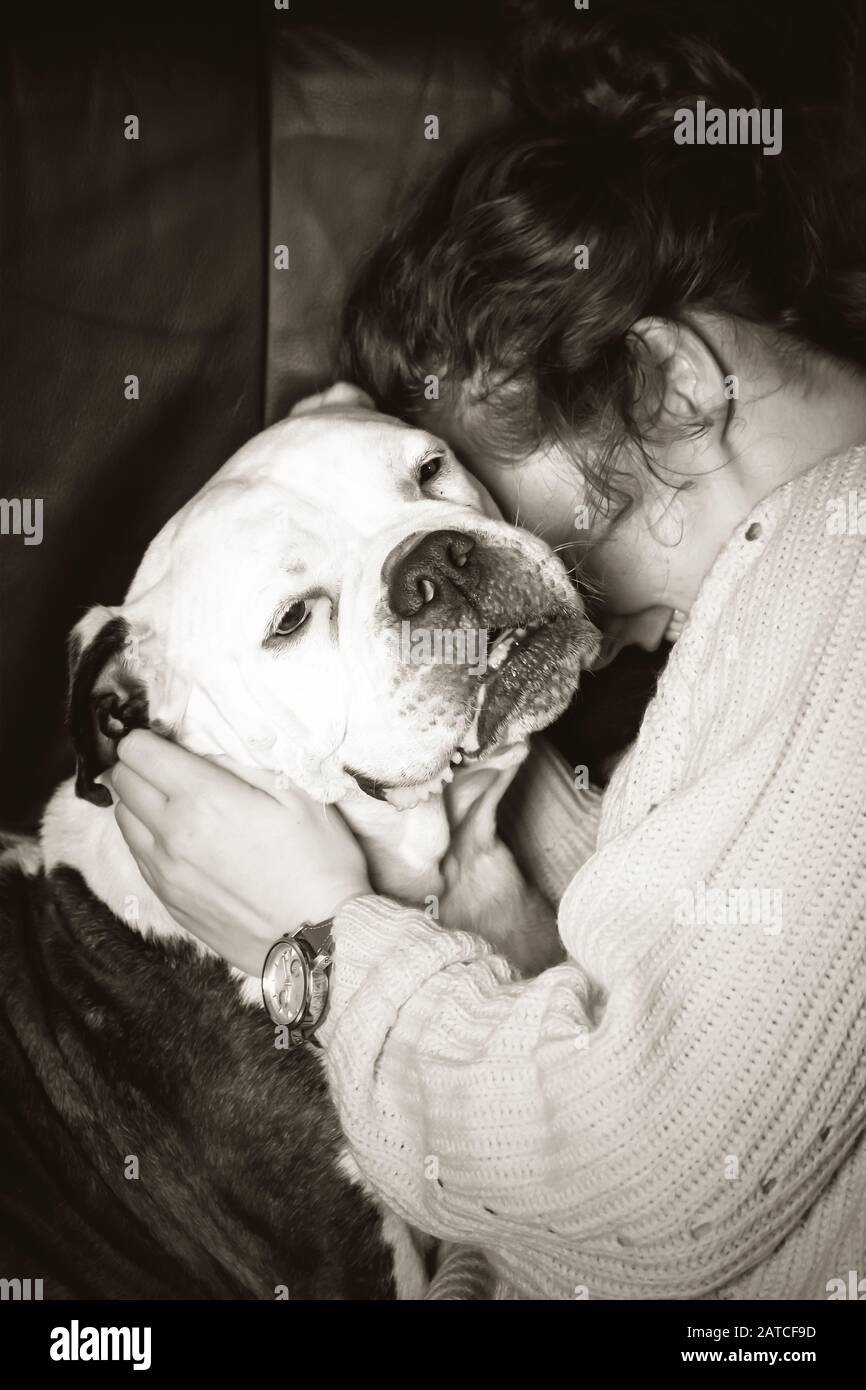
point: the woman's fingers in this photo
(145, 801)
(165, 765)
(136, 835)
(231, 863)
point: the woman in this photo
(653, 353)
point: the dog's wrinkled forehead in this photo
(308, 490)
(351, 466)
(348, 464)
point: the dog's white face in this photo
(333, 606)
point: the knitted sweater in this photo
(678, 1110)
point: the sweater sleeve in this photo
(549, 819)
(654, 1116)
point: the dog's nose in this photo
(429, 572)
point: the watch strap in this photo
(318, 935)
(319, 939)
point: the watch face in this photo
(285, 981)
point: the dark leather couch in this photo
(258, 126)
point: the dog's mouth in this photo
(531, 670)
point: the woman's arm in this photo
(549, 820)
(656, 1123)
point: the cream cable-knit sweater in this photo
(679, 1110)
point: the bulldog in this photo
(340, 609)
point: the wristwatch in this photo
(296, 979)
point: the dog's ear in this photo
(339, 397)
(106, 698)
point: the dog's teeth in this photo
(500, 651)
(404, 798)
(457, 757)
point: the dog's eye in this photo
(292, 618)
(430, 468)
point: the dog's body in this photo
(201, 1158)
(155, 1143)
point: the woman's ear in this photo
(106, 697)
(685, 381)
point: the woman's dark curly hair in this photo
(478, 285)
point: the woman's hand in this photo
(233, 865)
